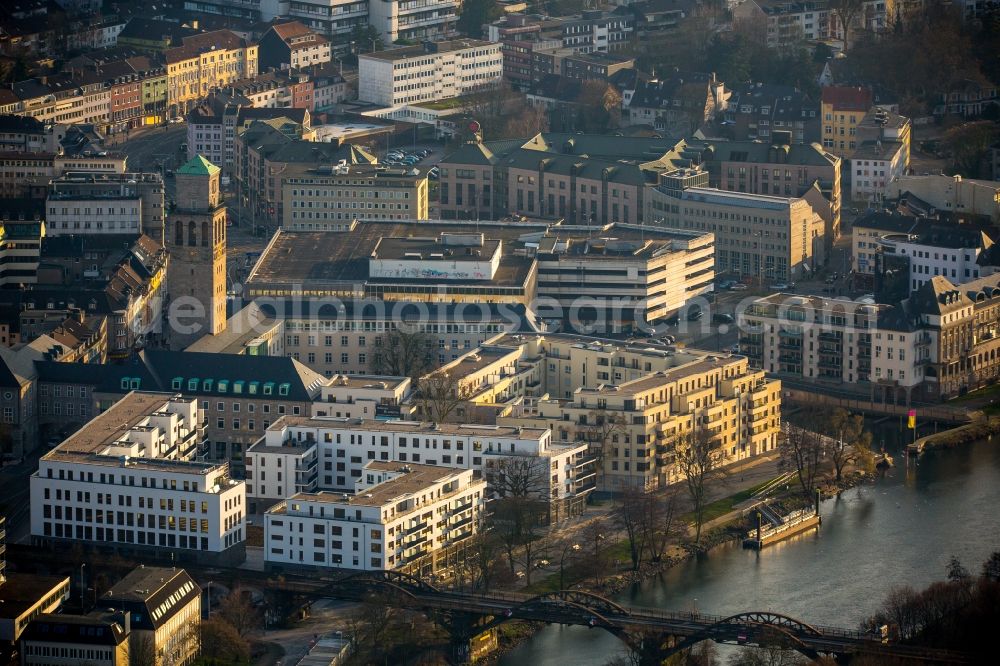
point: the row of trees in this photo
(959, 613)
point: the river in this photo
(901, 530)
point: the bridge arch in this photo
(358, 584)
(595, 602)
(766, 618)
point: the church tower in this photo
(196, 238)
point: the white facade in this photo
(208, 140)
(413, 19)
(82, 215)
(362, 396)
(959, 265)
(871, 175)
(429, 73)
(399, 515)
(329, 17)
(129, 478)
(344, 446)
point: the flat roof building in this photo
(142, 450)
(408, 517)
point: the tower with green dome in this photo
(196, 238)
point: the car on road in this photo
(174, 121)
(727, 284)
(433, 173)
(669, 339)
(780, 286)
(734, 349)
(694, 313)
(739, 286)
(830, 280)
(722, 318)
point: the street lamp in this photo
(83, 587)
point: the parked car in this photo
(694, 313)
(739, 286)
(779, 286)
(723, 318)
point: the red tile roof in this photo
(845, 98)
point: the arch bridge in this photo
(652, 633)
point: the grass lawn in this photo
(983, 393)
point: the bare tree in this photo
(664, 523)
(566, 552)
(595, 543)
(520, 485)
(403, 353)
(853, 442)
(697, 460)
(481, 560)
(846, 11)
(440, 397)
(632, 515)
(221, 643)
(239, 611)
(802, 451)
(141, 651)
(602, 429)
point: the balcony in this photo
(829, 336)
(791, 346)
(834, 351)
(829, 364)
(416, 528)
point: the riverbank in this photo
(984, 429)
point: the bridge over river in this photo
(652, 633)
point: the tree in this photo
(802, 451)
(141, 651)
(969, 143)
(594, 542)
(631, 515)
(697, 459)
(520, 485)
(439, 397)
(602, 429)
(222, 644)
(852, 442)
(991, 567)
(475, 14)
(846, 11)
(366, 38)
(405, 352)
(239, 611)
(599, 107)
(480, 561)
(665, 523)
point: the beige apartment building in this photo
(633, 405)
(759, 236)
(328, 198)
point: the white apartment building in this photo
(432, 71)
(873, 166)
(71, 214)
(305, 454)
(363, 397)
(128, 479)
(401, 516)
(756, 235)
(929, 248)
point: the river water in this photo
(901, 530)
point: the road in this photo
(156, 147)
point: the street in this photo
(150, 149)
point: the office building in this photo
(105, 195)
(431, 71)
(759, 236)
(331, 197)
(127, 480)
